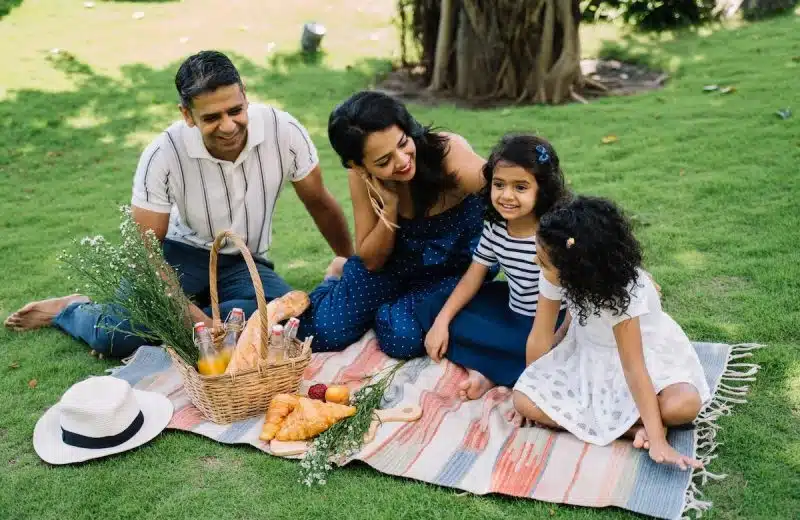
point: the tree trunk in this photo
(444, 44)
(523, 50)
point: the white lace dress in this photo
(580, 383)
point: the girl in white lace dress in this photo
(625, 367)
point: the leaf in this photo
(32, 383)
(15, 364)
(682, 172)
(710, 88)
(611, 138)
(784, 113)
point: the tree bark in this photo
(444, 44)
(522, 50)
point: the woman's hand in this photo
(662, 453)
(437, 339)
(387, 190)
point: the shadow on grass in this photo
(75, 151)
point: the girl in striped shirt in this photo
(484, 326)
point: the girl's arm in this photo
(629, 343)
(562, 330)
(437, 338)
(542, 334)
(374, 239)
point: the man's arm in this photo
(326, 212)
(146, 219)
(159, 223)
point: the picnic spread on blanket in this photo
(252, 381)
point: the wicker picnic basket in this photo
(227, 398)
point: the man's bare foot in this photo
(336, 267)
(40, 314)
(475, 386)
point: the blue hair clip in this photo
(543, 157)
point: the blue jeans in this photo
(86, 321)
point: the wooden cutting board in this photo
(408, 413)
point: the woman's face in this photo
(390, 155)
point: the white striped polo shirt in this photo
(204, 195)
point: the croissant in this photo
(280, 406)
(310, 418)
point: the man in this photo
(221, 167)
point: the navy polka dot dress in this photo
(430, 255)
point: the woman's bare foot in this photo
(475, 386)
(336, 267)
(40, 314)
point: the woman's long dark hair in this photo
(368, 111)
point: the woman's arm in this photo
(374, 239)
(467, 165)
(540, 340)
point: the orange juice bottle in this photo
(233, 328)
(210, 362)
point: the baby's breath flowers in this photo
(131, 280)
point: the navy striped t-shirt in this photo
(515, 256)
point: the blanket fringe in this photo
(730, 391)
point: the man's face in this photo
(221, 117)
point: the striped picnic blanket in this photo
(471, 446)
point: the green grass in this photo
(711, 178)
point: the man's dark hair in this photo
(204, 72)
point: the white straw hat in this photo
(97, 417)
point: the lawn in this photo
(710, 178)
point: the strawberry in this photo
(317, 392)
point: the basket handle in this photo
(251, 266)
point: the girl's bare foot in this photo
(475, 386)
(517, 419)
(40, 314)
(640, 438)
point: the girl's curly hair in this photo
(589, 240)
(535, 155)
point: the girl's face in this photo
(542, 259)
(513, 191)
(390, 155)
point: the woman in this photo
(417, 220)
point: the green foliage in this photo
(651, 15)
